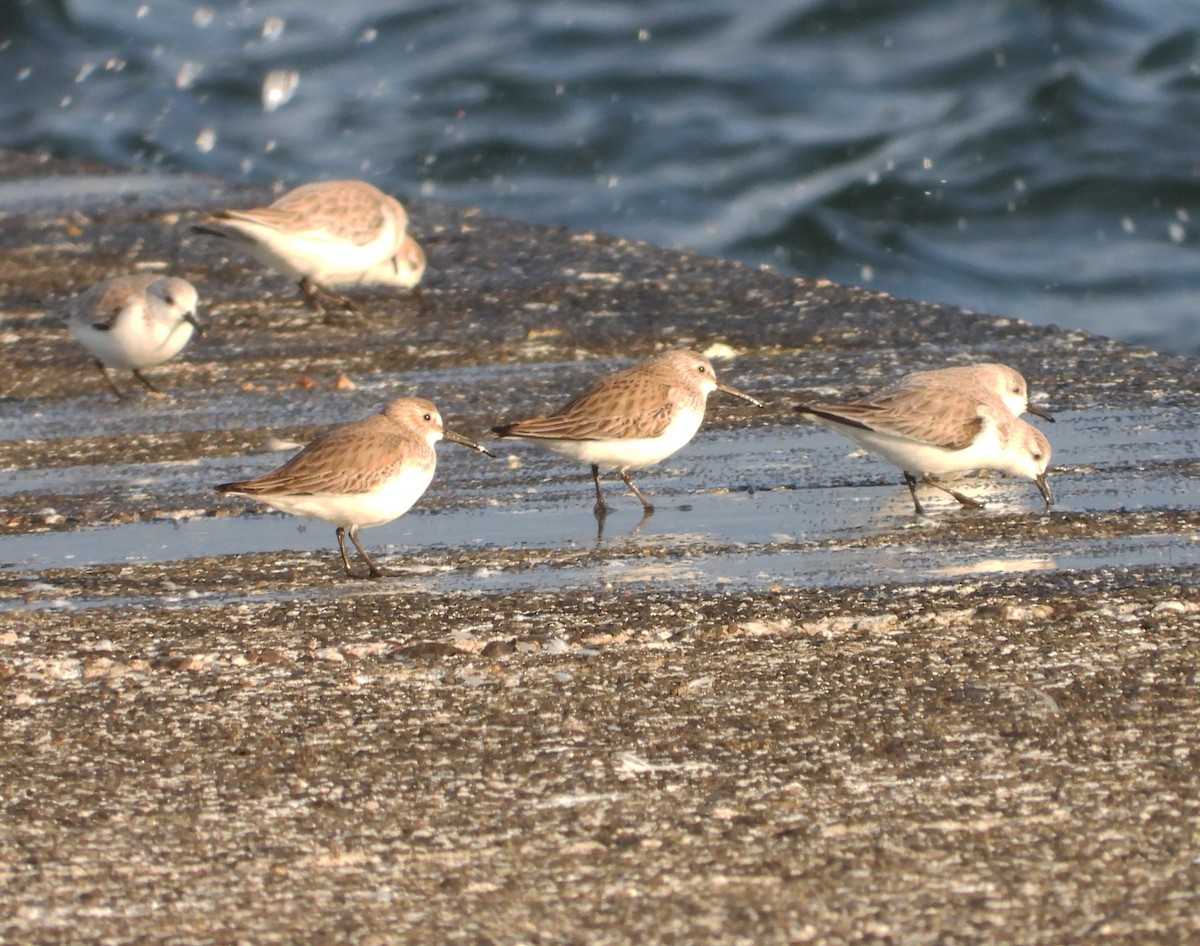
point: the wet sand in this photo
(782, 710)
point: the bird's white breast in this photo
(135, 340)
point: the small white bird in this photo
(329, 233)
(934, 432)
(134, 322)
(630, 419)
(359, 475)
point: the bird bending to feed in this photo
(134, 322)
(1004, 382)
(934, 431)
(630, 419)
(361, 474)
(330, 233)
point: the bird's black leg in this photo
(146, 381)
(108, 379)
(312, 295)
(372, 571)
(965, 500)
(912, 488)
(341, 537)
(601, 508)
(646, 504)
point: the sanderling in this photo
(133, 322)
(1004, 382)
(935, 432)
(330, 233)
(630, 419)
(361, 474)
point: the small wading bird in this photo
(359, 475)
(935, 431)
(630, 419)
(130, 323)
(331, 233)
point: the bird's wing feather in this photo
(924, 416)
(101, 307)
(620, 407)
(338, 461)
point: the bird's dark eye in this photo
(429, 417)
(701, 368)
(170, 299)
(1037, 456)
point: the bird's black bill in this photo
(466, 442)
(734, 392)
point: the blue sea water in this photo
(1034, 158)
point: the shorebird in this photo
(935, 432)
(630, 419)
(130, 323)
(361, 474)
(330, 233)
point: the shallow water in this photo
(1033, 159)
(793, 506)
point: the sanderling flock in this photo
(936, 426)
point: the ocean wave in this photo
(1013, 157)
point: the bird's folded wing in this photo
(317, 228)
(101, 311)
(926, 417)
(333, 463)
(357, 217)
(628, 410)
